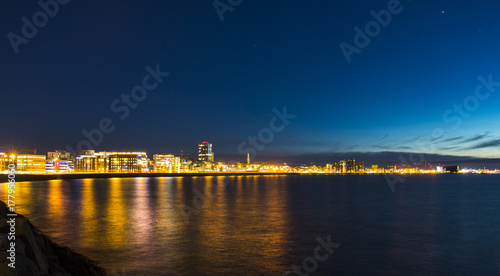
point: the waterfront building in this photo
(101, 162)
(142, 162)
(342, 166)
(205, 153)
(59, 161)
(59, 154)
(90, 161)
(127, 162)
(361, 166)
(123, 163)
(4, 162)
(351, 166)
(30, 163)
(166, 163)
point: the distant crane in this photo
(33, 150)
(182, 153)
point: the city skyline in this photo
(99, 161)
(399, 93)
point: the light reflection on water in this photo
(140, 223)
(262, 225)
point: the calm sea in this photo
(265, 225)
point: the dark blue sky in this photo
(226, 77)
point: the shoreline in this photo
(37, 254)
(20, 177)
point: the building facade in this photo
(119, 162)
(342, 166)
(205, 153)
(4, 162)
(123, 163)
(90, 161)
(361, 166)
(166, 163)
(59, 161)
(351, 166)
(30, 163)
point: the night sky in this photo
(425, 82)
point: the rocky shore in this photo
(36, 254)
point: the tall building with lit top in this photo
(205, 152)
(351, 165)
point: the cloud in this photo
(352, 147)
(449, 148)
(453, 139)
(489, 144)
(413, 139)
(476, 138)
(382, 138)
(381, 147)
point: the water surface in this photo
(263, 225)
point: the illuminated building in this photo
(122, 162)
(186, 165)
(205, 153)
(342, 166)
(58, 165)
(4, 162)
(351, 165)
(59, 161)
(166, 163)
(129, 162)
(59, 154)
(361, 166)
(89, 161)
(335, 168)
(142, 162)
(30, 163)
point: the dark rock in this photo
(37, 255)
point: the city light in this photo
(90, 161)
